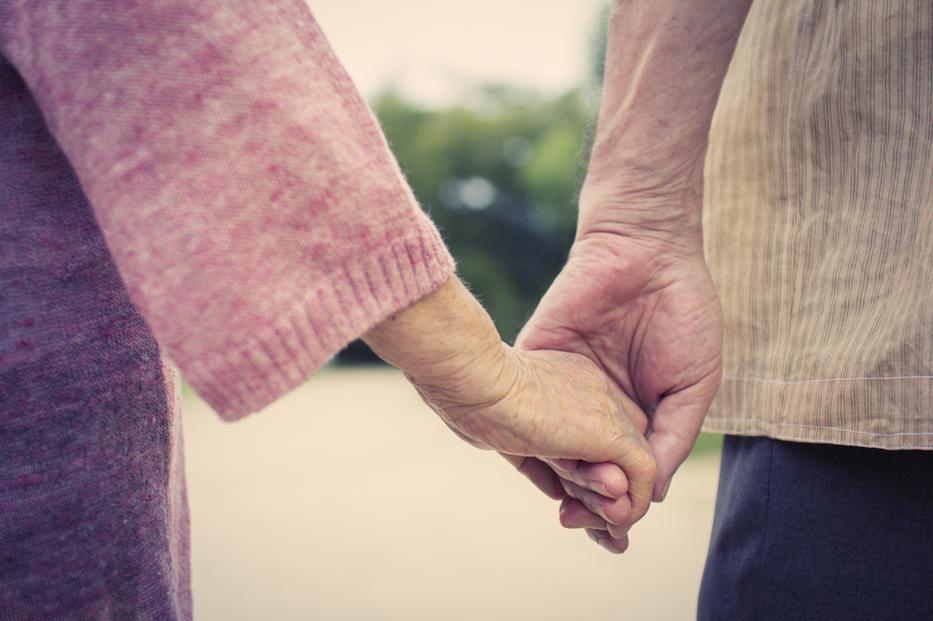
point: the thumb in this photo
(675, 426)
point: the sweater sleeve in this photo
(243, 187)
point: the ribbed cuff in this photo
(283, 355)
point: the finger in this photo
(604, 478)
(538, 473)
(563, 467)
(618, 532)
(615, 511)
(616, 546)
(675, 426)
(573, 514)
(564, 464)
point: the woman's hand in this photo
(554, 405)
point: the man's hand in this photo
(636, 296)
(556, 405)
(647, 314)
(651, 319)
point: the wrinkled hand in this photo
(561, 407)
(647, 314)
(556, 405)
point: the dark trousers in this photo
(814, 531)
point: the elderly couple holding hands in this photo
(201, 182)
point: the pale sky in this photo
(433, 49)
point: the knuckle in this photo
(649, 467)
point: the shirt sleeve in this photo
(243, 187)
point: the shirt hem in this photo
(816, 434)
(887, 413)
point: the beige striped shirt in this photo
(819, 224)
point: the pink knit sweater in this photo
(193, 180)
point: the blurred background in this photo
(348, 499)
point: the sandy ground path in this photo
(348, 499)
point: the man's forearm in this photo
(666, 60)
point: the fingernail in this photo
(667, 486)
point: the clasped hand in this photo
(604, 394)
(555, 415)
